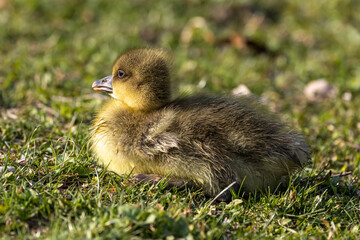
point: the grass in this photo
(51, 52)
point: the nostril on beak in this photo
(103, 81)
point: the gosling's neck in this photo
(114, 105)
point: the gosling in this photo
(210, 141)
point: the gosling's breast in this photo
(109, 151)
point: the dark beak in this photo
(103, 85)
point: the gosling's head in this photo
(140, 79)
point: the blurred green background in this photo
(52, 51)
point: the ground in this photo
(52, 51)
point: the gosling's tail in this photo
(300, 150)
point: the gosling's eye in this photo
(121, 73)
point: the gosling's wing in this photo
(158, 136)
